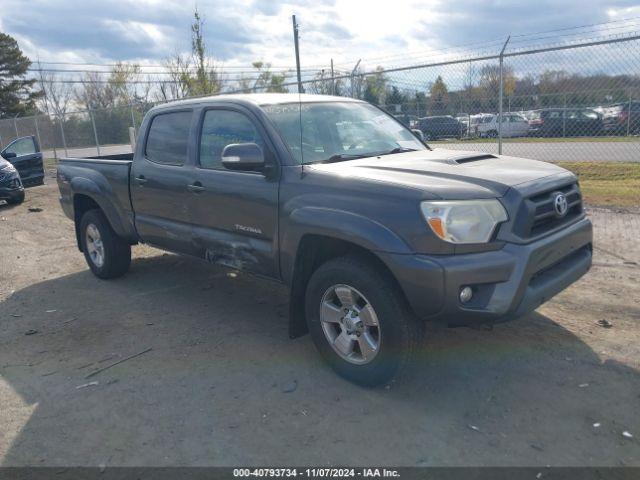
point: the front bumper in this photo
(10, 188)
(507, 283)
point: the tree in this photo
(17, 96)
(268, 81)
(207, 79)
(322, 84)
(375, 87)
(177, 86)
(191, 75)
(56, 94)
(490, 83)
(439, 97)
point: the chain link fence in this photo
(577, 105)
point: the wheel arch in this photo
(313, 251)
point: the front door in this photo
(25, 155)
(235, 214)
(160, 179)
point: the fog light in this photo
(465, 294)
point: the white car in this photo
(513, 125)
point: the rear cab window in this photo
(168, 138)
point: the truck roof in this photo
(258, 99)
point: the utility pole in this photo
(295, 42)
(501, 95)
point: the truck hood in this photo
(447, 174)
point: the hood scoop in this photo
(474, 158)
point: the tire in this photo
(397, 334)
(17, 200)
(492, 134)
(107, 254)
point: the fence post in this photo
(333, 80)
(629, 116)
(95, 132)
(564, 117)
(501, 95)
(133, 118)
(353, 72)
(64, 140)
(15, 125)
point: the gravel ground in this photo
(220, 383)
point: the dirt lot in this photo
(215, 388)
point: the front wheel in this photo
(359, 321)
(107, 254)
(17, 200)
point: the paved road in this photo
(547, 151)
(558, 151)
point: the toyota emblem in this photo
(560, 204)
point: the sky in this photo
(239, 32)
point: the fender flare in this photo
(337, 224)
(100, 194)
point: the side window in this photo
(22, 146)
(221, 128)
(168, 138)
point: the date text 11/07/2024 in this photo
(316, 472)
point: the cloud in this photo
(378, 31)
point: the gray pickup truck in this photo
(372, 231)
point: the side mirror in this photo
(418, 133)
(9, 155)
(243, 157)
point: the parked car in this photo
(24, 153)
(11, 189)
(372, 231)
(561, 122)
(464, 120)
(513, 125)
(434, 128)
(621, 119)
(410, 121)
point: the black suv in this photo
(446, 126)
(565, 122)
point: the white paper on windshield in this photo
(387, 123)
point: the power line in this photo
(500, 41)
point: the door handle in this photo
(140, 180)
(195, 187)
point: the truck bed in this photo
(105, 179)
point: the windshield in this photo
(331, 131)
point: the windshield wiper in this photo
(398, 150)
(341, 157)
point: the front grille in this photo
(539, 216)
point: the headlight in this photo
(464, 221)
(8, 168)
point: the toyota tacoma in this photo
(373, 231)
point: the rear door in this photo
(24, 153)
(518, 126)
(235, 214)
(160, 179)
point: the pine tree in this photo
(16, 91)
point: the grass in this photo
(541, 140)
(608, 183)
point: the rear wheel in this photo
(359, 321)
(107, 254)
